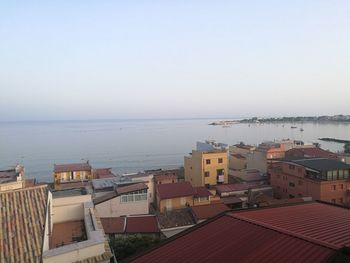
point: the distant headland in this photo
(335, 118)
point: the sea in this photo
(129, 146)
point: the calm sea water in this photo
(131, 146)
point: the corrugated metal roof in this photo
(130, 225)
(207, 211)
(322, 164)
(227, 239)
(142, 224)
(314, 221)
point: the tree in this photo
(125, 246)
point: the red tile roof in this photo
(130, 225)
(314, 152)
(228, 239)
(113, 225)
(167, 191)
(317, 222)
(158, 178)
(142, 224)
(201, 212)
(201, 191)
(60, 168)
(102, 173)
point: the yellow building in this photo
(174, 196)
(205, 168)
(71, 173)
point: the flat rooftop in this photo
(322, 164)
(8, 175)
(69, 192)
(67, 233)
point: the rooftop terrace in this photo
(67, 233)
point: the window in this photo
(220, 160)
(207, 161)
(206, 174)
(341, 174)
(220, 172)
(329, 175)
(291, 184)
(346, 174)
(140, 195)
(168, 204)
(203, 199)
(341, 187)
(334, 187)
(335, 175)
(291, 196)
(291, 167)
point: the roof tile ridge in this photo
(284, 231)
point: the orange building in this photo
(319, 178)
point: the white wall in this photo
(114, 208)
(69, 208)
(257, 160)
(48, 223)
(149, 181)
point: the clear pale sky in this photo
(173, 59)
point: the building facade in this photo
(12, 179)
(69, 173)
(206, 168)
(319, 178)
(124, 201)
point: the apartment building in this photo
(124, 200)
(71, 173)
(206, 168)
(269, 150)
(12, 179)
(238, 156)
(174, 196)
(319, 178)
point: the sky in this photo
(66, 60)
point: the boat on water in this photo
(301, 129)
(293, 127)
